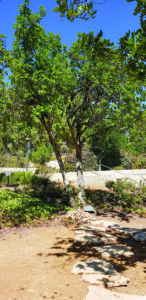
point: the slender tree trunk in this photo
(99, 165)
(61, 164)
(6, 146)
(80, 177)
(78, 147)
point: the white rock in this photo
(106, 280)
(110, 224)
(100, 293)
(113, 251)
(92, 228)
(89, 239)
(108, 238)
(95, 266)
(97, 222)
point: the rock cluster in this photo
(100, 273)
(80, 217)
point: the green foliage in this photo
(81, 9)
(121, 196)
(127, 159)
(127, 195)
(17, 178)
(140, 163)
(45, 170)
(10, 161)
(119, 168)
(69, 167)
(41, 155)
(18, 208)
(106, 146)
(130, 161)
(98, 198)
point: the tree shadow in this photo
(85, 251)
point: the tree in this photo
(107, 148)
(102, 97)
(39, 67)
(132, 45)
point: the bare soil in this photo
(36, 262)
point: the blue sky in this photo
(114, 18)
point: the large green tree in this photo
(39, 69)
(102, 96)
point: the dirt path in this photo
(36, 263)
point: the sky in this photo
(114, 18)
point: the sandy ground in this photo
(36, 263)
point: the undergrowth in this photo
(35, 198)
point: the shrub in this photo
(127, 160)
(129, 196)
(139, 164)
(21, 208)
(119, 168)
(45, 170)
(8, 160)
(69, 167)
(41, 155)
(18, 178)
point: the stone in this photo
(80, 232)
(113, 251)
(100, 272)
(89, 239)
(101, 293)
(108, 238)
(89, 209)
(106, 280)
(126, 230)
(95, 266)
(141, 236)
(110, 224)
(97, 222)
(92, 228)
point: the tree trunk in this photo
(80, 177)
(6, 146)
(64, 175)
(61, 164)
(99, 165)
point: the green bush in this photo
(119, 168)
(139, 164)
(10, 161)
(17, 178)
(41, 155)
(69, 167)
(128, 195)
(21, 208)
(45, 170)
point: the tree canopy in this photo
(71, 94)
(85, 9)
